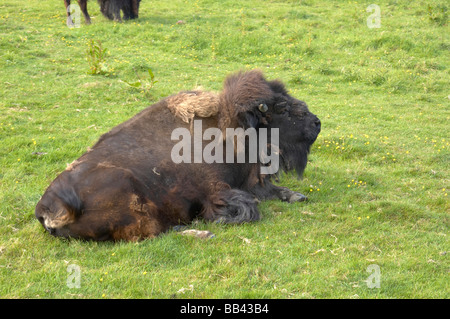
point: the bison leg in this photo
(104, 9)
(130, 9)
(135, 9)
(69, 19)
(83, 6)
(127, 10)
(270, 191)
(112, 10)
(116, 14)
(231, 206)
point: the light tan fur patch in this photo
(72, 165)
(186, 105)
(60, 219)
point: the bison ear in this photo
(278, 87)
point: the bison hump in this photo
(187, 105)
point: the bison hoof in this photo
(69, 22)
(297, 197)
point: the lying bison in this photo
(109, 8)
(139, 179)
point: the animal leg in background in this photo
(127, 9)
(83, 7)
(135, 9)
(104, 9)
(111, 9)
(131, 9)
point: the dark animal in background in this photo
(109, 8)
(128, 187)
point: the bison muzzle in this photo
(128, 187)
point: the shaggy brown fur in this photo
(127, 187)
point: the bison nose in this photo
(51, 230)
(317, 123)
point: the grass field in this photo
(377, 178)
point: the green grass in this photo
(377, 178)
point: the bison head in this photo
(249, 100)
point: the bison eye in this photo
(263, 107)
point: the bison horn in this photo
(263, 107)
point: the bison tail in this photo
(232, 206)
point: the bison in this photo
(135, 183)
(109, 8)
